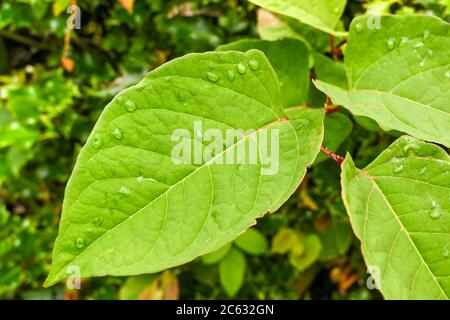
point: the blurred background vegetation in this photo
(54, 83)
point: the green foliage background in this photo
(307, 250)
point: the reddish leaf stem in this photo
(332, 155)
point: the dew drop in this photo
(336, 9)
(254, 64)
(435, 214)
(98, 221)
(358, 27)
(130, 105)
(120, 99)
(117, 133)
(212, 76)
(423, 170)
(390, 43)
(97, 142)
(446, 252)
(398, 168)
(426, 34)
(231, 75)
(436, 211)
(422, 63)
(79, 243)
(419, 44)
(447, 74)
(242, 68)
(89, 231)
(395, 160)
(124, 191)
(180, 96)
(404, 41)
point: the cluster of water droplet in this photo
(241, 68)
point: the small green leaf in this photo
(232, 272)
(336, 239)
(310, 253)
(216, 256)
(135, 285)
(129, 208)
(252, 242)
(285, 240)
(400, 210)
(321, 14)
(289, 58)
(399, 75)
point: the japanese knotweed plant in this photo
(134, 206)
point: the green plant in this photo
(394, 79)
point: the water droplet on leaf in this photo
(130, 105)
(98, 221)
(254, 64)
(117, 133)
(181, 97)
(398, 168)
(242, 68)
(79, 243)
(231, 75)
(212, 76)
(391, 43)
(404, 41)
(124, 191)
(358, 27)
(436, 211)
(97, 142)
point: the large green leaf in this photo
(399, 75)
(400, 210)
(289, 58)
(129, 209)
(321, 14)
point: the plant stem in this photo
(22, 39)
(332, 155)
(335, 52)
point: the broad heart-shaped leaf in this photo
(321, 14)
(130, 208)
(290, 60)
(400, 210)
(399, 75)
